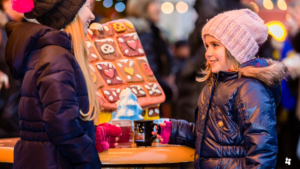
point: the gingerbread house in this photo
(118, 61)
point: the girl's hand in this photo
(4, 80)
(165, 132)
(157, 135)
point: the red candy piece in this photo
(132, 44)
(110, 73)
(147, 69)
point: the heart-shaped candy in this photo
(132, 44)
(109, 73)
(129, 70)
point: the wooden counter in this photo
(156, 154)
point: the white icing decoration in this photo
(92, 68)
(118, 90)
(129, 77)
(124, 60)
(110, 65)
(111, 98)
(150, 112)
(151, 93)
(141, 50)
(156, 111)
(134, 91)
(114, 93)
(106, 92)
(91, 32)
(147, 87)
(99, 67)
(108, 81)
(88, 44)
(135, 37)
(130, 34)
(94, 56)
(106, 28)
(131, 63)
(121, 40)
(118, 78)
(120, 65)
(105, 40)
(142, 92)
(155, 86)
(139, 87)
(143, 58)
(126, 51)
(139, 76)
(153, 89)
(158, 91)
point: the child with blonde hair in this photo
(236, 113)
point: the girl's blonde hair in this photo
(231, 62)
(81, 55)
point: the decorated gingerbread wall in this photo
(118, 61)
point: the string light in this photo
(167, 7)
(277, 30)
(268, 4)
(282, 5)
(182, 7)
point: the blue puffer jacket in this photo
(53, 136)
(235, 119)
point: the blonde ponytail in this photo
(81, 55)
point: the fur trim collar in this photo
(271, 75)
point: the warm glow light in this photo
(281, 5)
(268, 4)
(182, 7)
(167, 7)
(277, 30)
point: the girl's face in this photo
(86, 15)
(215, 54)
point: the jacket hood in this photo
(24, 38)
(268, 71)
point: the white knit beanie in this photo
(240, 31)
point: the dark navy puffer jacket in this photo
(53, 136)
(235, 119)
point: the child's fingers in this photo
(163, 124)
(154, 133)
(117, 138)
(158, 136)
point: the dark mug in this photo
(143, 132)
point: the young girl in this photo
(236, 113)
(58, 103)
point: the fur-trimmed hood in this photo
(268, 71)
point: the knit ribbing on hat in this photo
(240, 31)
(55, 13)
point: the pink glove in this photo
(166, 132)
(105, 136)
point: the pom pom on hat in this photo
(22, 6)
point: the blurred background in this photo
(170, 32)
